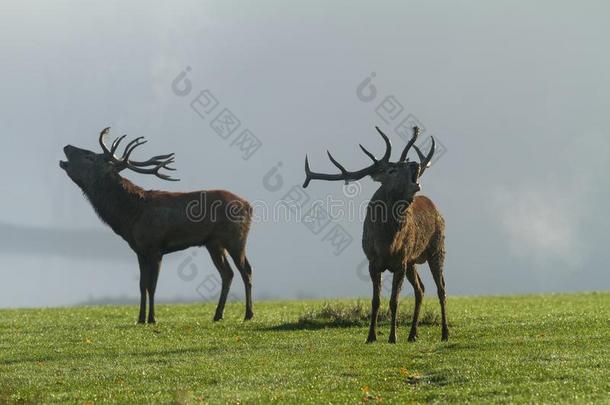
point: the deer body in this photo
(158, 220)
(400, 230)
(411, 240)
(155, 223)
(415, 236)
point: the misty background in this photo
(517, 93)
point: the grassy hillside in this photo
(548, 348)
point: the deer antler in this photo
(346, 175)
(425, 160)
(403, 155)
(159, 162)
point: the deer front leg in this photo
(154, 268)
(413, 278)
(143, 284)
(150, 264)
(399, 276)
(376, 279)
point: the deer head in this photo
(401, 176)
(85, 167)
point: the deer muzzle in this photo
(62, 163)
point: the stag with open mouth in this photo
(155, 223)
(400, 229)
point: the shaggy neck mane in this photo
(117, 201)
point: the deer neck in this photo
(398, 206)
(117, 201)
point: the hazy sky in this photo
(518, 94)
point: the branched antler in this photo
(158, 162)
(346, 175)
(377, 165)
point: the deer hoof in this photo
(141, 321)
(371, 339)
(249, 316)
(412, 338)
(152, 321)
(392, 339)
(217, 318)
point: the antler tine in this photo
(369, 154)
(344, 171)
(388, 146)
(425, 160)
(131, 146)
(115, 144)
(337, 164)
(307, 173)
(166, 177)
(405, 151)
(153, 160)
(103, 134)
(421, 156)
(155, 170)
(158, 162)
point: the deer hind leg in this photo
(399, 276)
(245, 270)
(219, 258)
(421, 283)
(376, 279)
(413, 278)
(436, 267)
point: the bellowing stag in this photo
(400, 229)
(155, 223)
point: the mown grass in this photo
(535, 349)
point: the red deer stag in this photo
(400, 230)
(154, 223)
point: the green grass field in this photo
(539, 348)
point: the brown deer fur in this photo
(414, 236)
(155, 223)
(400, 231)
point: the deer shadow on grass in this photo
(336, 315)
